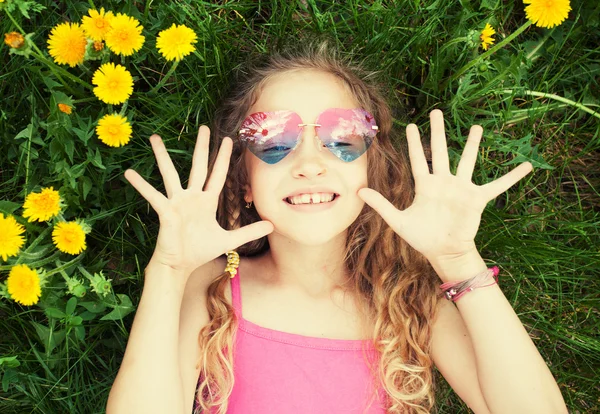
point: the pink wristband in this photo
(455, 290)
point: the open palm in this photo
(443, 219)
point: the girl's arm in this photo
(512, 374)
(149, 380)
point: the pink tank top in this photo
(285, 373)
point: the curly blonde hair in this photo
(394, 285)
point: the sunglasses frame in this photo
(373, 127)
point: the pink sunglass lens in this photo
(271, 135)
(347, 133)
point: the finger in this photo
(219, 172)
(200, 159)
(439, 149)
(382, 206)
(418, 161)
(250, 232)
(469, 155)
(155, 198)
(165, 165)
(497, 187)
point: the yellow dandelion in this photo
(125, 35)
(65, 108)
(97, 24)
(114, 130)
(69, 237)
(547, 13)
(42, 206)
(11, 240)
(23, 285)
(14, 40)
(67, 43)
(176, 42)
(114, 84)
(486, 36)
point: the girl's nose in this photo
(311, 132)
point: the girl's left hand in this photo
(445, 214)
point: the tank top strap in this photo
(236, 296)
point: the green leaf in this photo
(80, 332)
(120, 311)
(9, 362)
(25, 133)
(49, 340)
(76, 320)
(54, 313)
(69, 148)
(71, 304)
(84, 132)
(10, 375)
(87, 316)
(24, 7)
(8, 207)
(51, 83)
(94, 307)
(87, 186)
(97, 160)
(489, 4)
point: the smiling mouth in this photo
(287, 200)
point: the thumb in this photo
(390, 214)
(252, 232)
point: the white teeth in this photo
(307, 198)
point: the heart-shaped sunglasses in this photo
(271, 136)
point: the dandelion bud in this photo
(98, 46)
(14, 40)
(65, 108)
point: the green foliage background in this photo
(536, 98)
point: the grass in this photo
(535, 97)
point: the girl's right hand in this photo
(189, 235)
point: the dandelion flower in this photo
(176, 42)
(114, 130)
(547, 13)
(14, 40)
(42, 206)
(125, 35)
(65, 108)
(11, 240)
(69, 237)
(97, 24)
(114, 83)
(66, 44)
(486, 36)
(23, 285)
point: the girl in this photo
(344, 305)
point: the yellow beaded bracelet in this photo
(233, 261)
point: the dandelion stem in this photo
(164, 79)
(92, 99)
(486, 54)
(64, 266)
(552, 96)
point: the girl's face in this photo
(308, 93)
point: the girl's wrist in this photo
(160, 274)
(459, 268)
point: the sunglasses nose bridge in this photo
(316, 135)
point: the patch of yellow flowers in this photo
(72, 43)
(542, 13)
(23, 284)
